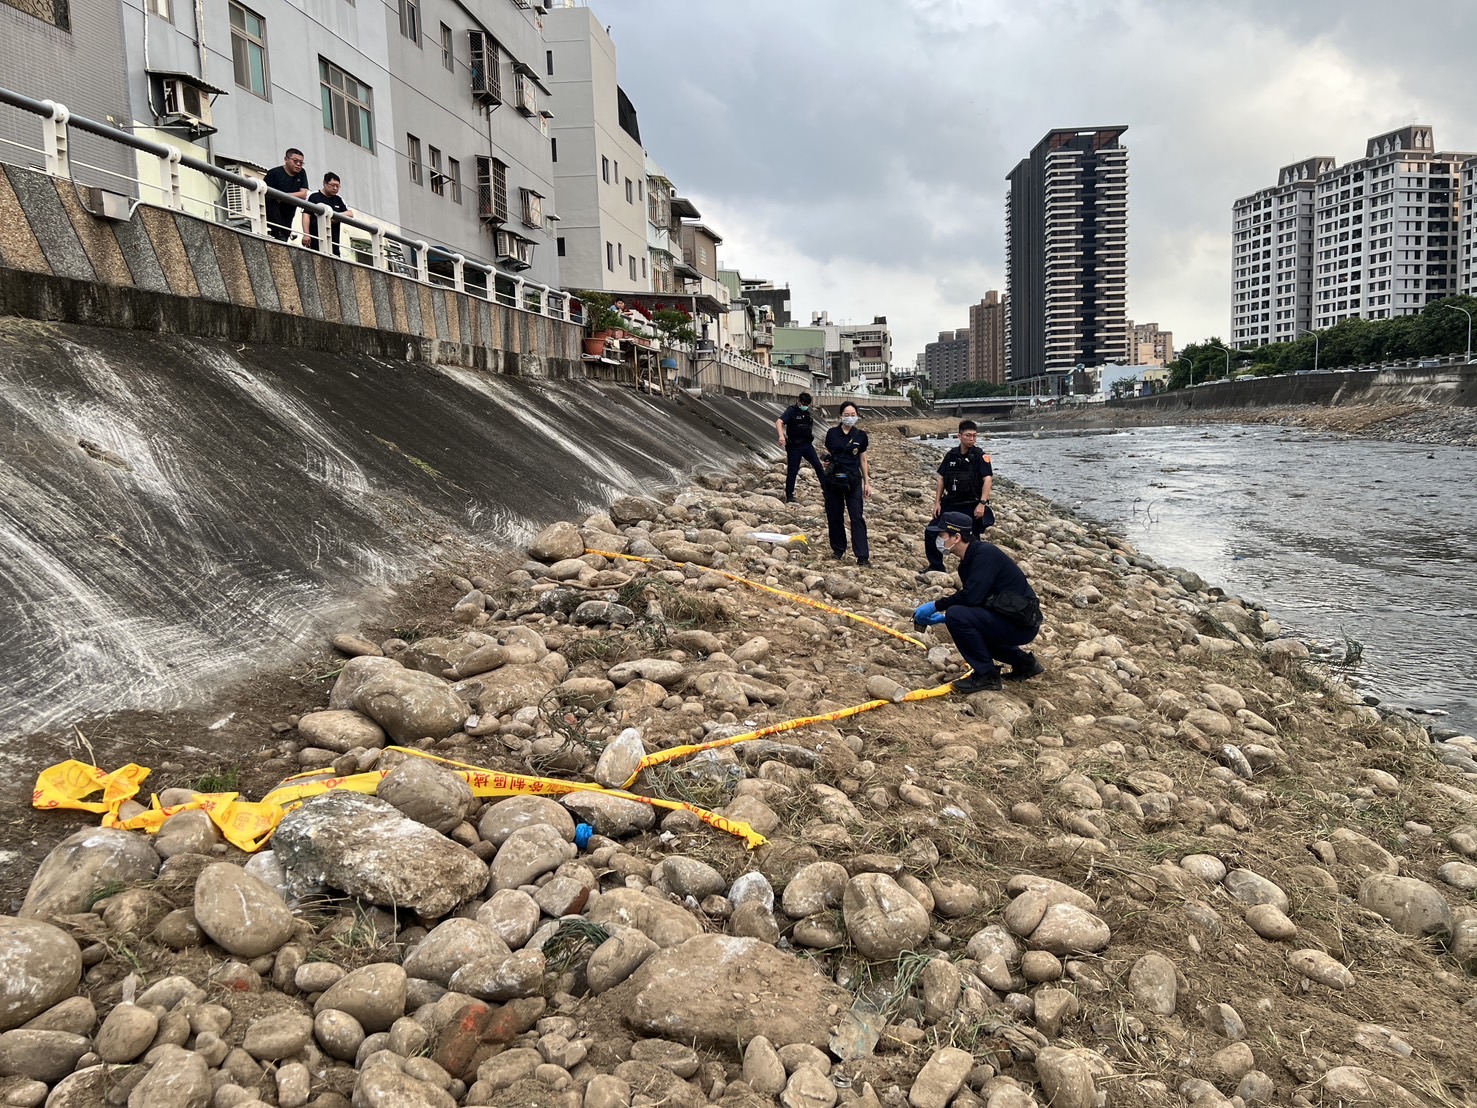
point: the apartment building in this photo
(600, 173)
(1386, 229)
(1148, 345)
(987, 339)
(1272, 256)
(237, 82)
(1377, 237)
(1067, 253)
(871, 352)
(1467, 259)
(946, 360)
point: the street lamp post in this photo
(1468, 314)
(1305, 331)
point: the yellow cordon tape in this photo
(248, 824)
(658, 757)
(796, 597)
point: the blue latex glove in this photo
(924, 612)
(937, 617)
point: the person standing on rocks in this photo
(796, 429)
(994, 613)
(847, 483)
(963, 485)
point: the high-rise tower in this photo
(1067, 253)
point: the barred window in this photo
(249, 49)
(56, 12)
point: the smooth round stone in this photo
(1270, 922)
(1207, 867)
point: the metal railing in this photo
(487, 283)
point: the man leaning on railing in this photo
(288, 177)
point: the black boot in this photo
(979, 682)
(1029, 668)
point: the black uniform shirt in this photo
(846, 450)
(799, 426)
(984, 571)
(278, 213)
(966, 470)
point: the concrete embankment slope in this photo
(175, 511)
(1447, 386)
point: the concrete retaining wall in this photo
(1455, 386)
(171, 272)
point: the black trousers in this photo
(983, 636)
(794, 455)
(837, 508)
(935, 529)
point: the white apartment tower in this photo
(1391, 232)
(1467, 261)
(1272, 257)
(1386, 230)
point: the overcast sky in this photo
(857, 149)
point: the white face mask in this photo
(943, 547)
(849, 421)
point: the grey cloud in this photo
(873, 137)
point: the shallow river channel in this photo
(1337, 536)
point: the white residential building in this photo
(600, 167)
(1272, 257)
(1386, 229)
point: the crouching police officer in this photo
(994, 613)
(964, 480)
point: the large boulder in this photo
(1408, 904)
(80, 865)
(428, 793)
(366, 848)
(411, 705)
(720, 990)
(506, 689)
(356, 672)
(661, 921)
(40, 966)
(340, 730)
(881, 917)
(242, 915)
(557, 542)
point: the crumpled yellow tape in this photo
(249, 824)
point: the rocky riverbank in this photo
(1182, 867)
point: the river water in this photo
(1337, 536)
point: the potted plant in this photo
(602, 321)
(674, 325)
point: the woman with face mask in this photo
(848, 484)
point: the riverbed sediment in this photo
(1182, 866)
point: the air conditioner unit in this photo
(186, 103)
(234, 197)
(507, 245)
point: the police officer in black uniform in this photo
(796, 428)
(964, 480)
(994, 613)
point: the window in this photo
(554, 149)
(348, 105)
(610, 256)
(533, 208)
(410, 20)
(249, 49)
(616, 169)
(438, 182)
(549, 61)
(492, 189)
(643, 269)
(605, 169)
(633, 268)
(448, 59)
(630, 194)
(413, 156)
(159, 8)
(559, 245)
(454, 179)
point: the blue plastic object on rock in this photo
(582, 833)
